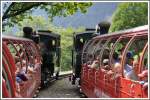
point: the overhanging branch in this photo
(20, 11)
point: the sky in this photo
(98, 12)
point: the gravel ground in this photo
(60, 89)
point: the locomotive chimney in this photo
(35, 37)
(27, 32)
(102, 27)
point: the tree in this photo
(129, 15)
(17, 11)
(20, 15)
(66, 45)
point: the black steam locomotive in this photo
(79, 40)
(48, 43)
(51, 52)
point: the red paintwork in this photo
(97, 84)
(31, 85)
(4, 89)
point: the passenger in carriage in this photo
(117, 71)
(23, 69)
(143, 76)
(89, 61)
(144, 80)
(121, 50)
(95, 63)
(20, 74)
(116, 57)
(37, 62)
(105, 67)
(30, 69)
(129, 62)
(116, 60)
(133, 74)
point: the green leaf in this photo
(129, 15)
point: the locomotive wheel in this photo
(57, 75)
(82, 94)
(44, 81)
(73, 80)
(35, 96)
(80, 90)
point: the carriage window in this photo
(137, 47)
(8, 64)
(17, 47)
(79, 43)
(132, 57)
(90, 51)
(85, 49)
(31, 52)
(145, 61)
(106, 51)
(89, 55)
(94, 53)
(15, 53)
(53, 42)
(119, 47)
(81, 40)
(36, 54)
(12, 49)
(19, 54)
(24, 56)
(22, 51)
(99, 48)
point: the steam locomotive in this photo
(79, 40)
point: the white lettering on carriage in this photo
(100, 94)
(104, 95)
(97, 92)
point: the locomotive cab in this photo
(79, 39)
(50, 51)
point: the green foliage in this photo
(129, 15)
(19, 14)
(36, 22)
(17, 11)
(66, 45)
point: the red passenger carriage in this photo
(20, 54)
(101, 82)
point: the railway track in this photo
(61, 76)
(62, 88)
